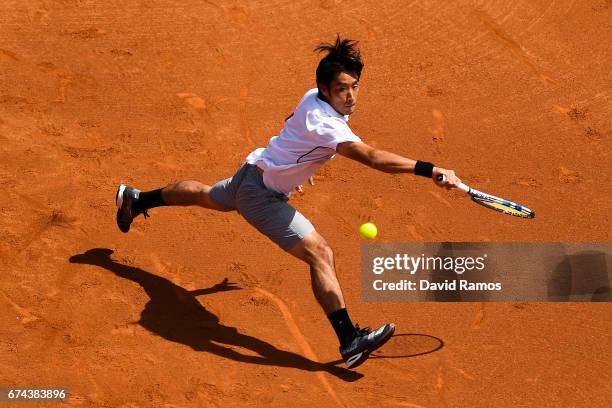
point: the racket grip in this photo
(461, 186)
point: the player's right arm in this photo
(388, 162)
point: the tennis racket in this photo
(493, 202)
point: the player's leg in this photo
(190, 192)
(355, 344)
(132, 202)
(314, 250)
(274, 217)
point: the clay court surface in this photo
(515, 96)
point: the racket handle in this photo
(461, 186)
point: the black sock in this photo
(341, 322)
(150, 199)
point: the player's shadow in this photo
(405, 345)
(583, 275)
(175, 314)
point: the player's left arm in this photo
(390, 162)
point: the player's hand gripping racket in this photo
(493, 202)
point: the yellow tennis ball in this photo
(368, 230)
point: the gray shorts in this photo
(265, 209)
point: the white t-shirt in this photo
(307, 141)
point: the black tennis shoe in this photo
(364, 342)
(127, 197)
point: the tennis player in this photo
(316, 131)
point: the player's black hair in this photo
(341, 56)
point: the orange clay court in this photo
(197, 309)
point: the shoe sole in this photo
(119, 202)
(119, 196)
(363, 356)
